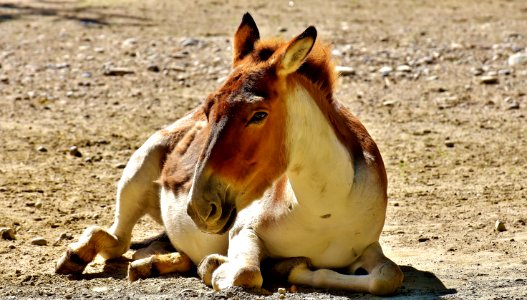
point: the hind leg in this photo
(383, 276)
(137, 194)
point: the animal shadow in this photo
(113, 268)
(419, 284)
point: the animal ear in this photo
(245, 38)
(297, 51)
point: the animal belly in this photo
(323, 252)
(334, 245)
(184, 234)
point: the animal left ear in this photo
(297, 51)
(245, 38)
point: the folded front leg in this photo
(240, 268)
(383, 277)
(159, 264)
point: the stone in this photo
(39, 241)
(115, 71)
(74, 151)
(189, 42)
(477, 71)
(153, 68)
(500, 226)
(345, 71)
(519, 58)
(7, 233)
(386, 70)
(42, 149)
(511, 104)
(450, 144)
(281, 291)
(129, 43)
(120, 166)
(404, 68)
(389, 103)
(489, 79)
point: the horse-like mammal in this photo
(269, 165)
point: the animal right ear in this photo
(245, 38)
(297, 51)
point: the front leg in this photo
(240, 268)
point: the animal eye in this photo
(258, 117)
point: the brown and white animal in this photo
(270, 165)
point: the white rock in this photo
(336, 52)
(517, 59)
(345, 71)
(404, 68)
(386, 70)
(129, 43)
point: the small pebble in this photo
(423, 239)
(7, 233)
(38, 204)
(281, 291)
(489, 79)
(511, 104)
(39, 241)
(74, 151)
(129, 43)
(153, 68)
(65, 236)
(477, 71)
(385, 71)
(120, 166)
(449, 144)
(517, 59)
(117, 71)
(42, 149)
(86, 74)
(500, 226)
(345, 71)
(404, 68)
(189, 42)
(389, 103)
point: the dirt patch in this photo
(432, 83)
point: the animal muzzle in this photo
(211, 208)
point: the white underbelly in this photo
(184, 234)
(334, 239)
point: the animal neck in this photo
(320, 167)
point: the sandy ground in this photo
(431, 81)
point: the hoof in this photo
(208, 265)
(70, 263)
(229, 275)
(140, 269)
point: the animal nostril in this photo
(213, 210)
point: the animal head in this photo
(245, 149)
